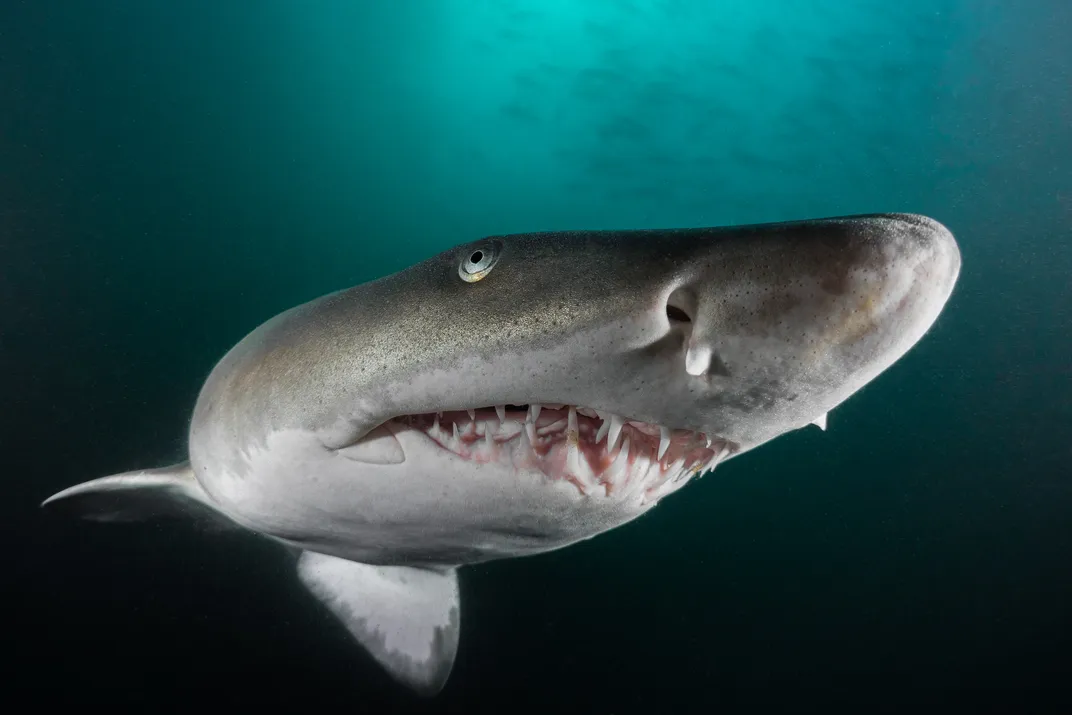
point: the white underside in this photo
(433, 508)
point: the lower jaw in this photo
(572, 445)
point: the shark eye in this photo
(478, 262)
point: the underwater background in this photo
(174, 173)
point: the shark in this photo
(520, 393)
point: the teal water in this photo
(172, 174)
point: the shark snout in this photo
(931, 251)
(907, 267)
(797, 292)
(784, 323)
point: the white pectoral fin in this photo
(407, 618)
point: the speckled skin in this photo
(788, 320)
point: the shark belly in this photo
(435, 509)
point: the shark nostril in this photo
(680, 306)
(677, 315)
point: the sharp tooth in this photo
(707, 438)
(472, 415)
(435, 423)
(573, 456)
(621, 460)
(534, 414)
(488, 439)
(664, 441)
(820, 422)
(573, 459)
(551, 428)
(615, 431)
(530, 430)
(500, 410)
(722, 452)
(675, 471)
(456, 435)
(603, 428)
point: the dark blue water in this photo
(172, 174)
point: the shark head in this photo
(696, 344)
(597, 359)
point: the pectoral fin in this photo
(407, 618)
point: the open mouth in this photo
(589, 449)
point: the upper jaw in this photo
(596, 452)
(545, 417)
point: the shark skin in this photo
(521, 393)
